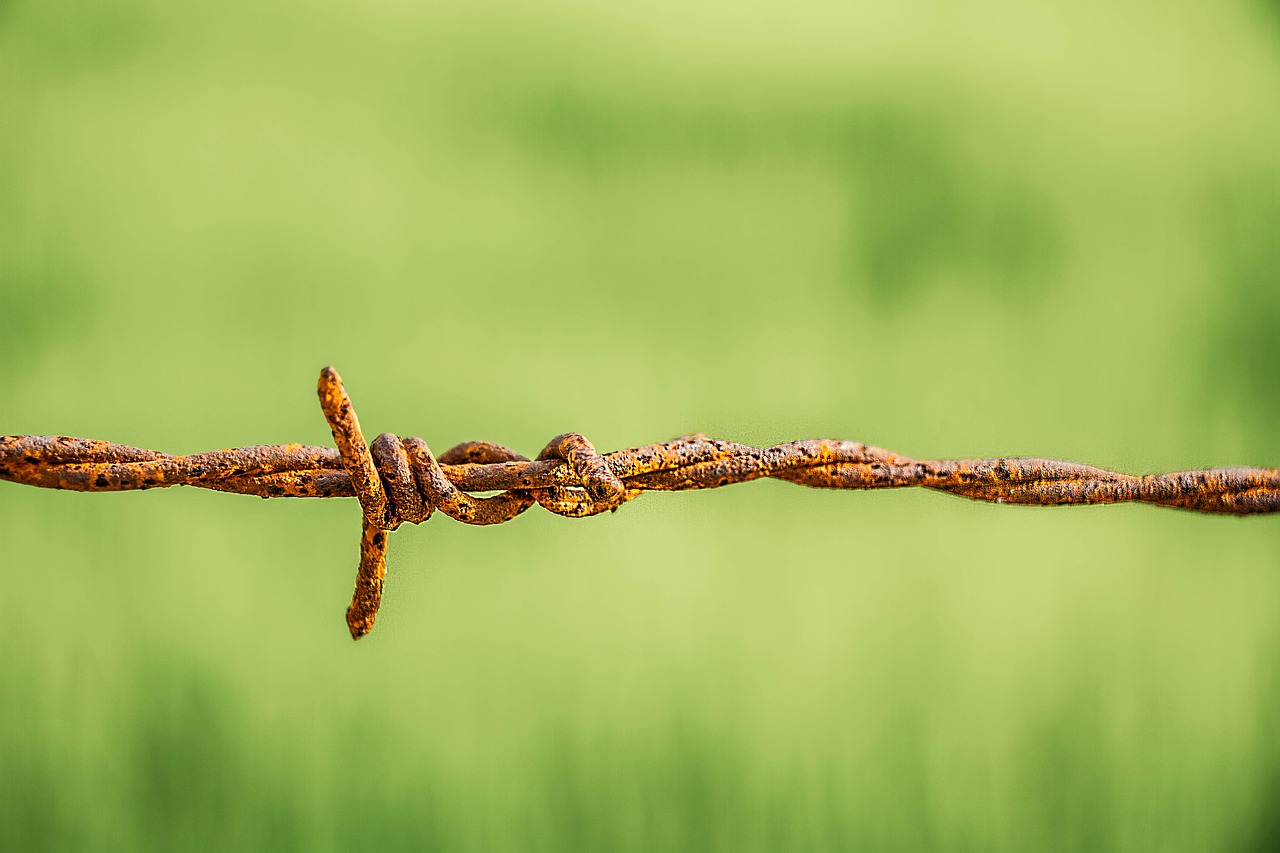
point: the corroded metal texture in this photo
(399, 479)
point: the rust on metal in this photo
(399, 479)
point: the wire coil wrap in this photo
(398, 479)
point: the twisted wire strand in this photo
(399, 479)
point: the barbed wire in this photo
(399, 479)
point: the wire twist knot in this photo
(399, 479)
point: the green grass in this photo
(991, 231)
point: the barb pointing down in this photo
(399, 479)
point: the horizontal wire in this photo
(399, 479)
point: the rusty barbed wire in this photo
(399, 479)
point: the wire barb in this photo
(399, 479)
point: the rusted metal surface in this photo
(399, 479)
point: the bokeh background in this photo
(952, 230)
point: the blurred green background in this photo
(949, 229)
